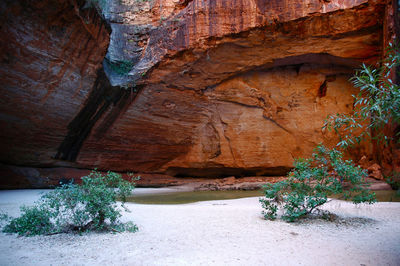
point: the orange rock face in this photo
(213, 88)
(50, 53)
(207, 42)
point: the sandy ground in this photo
(229, 232)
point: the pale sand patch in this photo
(228, 232)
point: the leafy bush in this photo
(71, 207)
(35, 220)
(394, 180)
(121, 67)
(376, 105)
(311, 182)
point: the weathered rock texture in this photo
(50, 54)
(389, 157)
(187, 88)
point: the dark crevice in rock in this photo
(355, 33)
(277, 124)
(344, 65)
(218, 172)
(322, 90)
(214, 148)
(324, 86)
(183, 3)
(224, 125)
(127, 96)
(239, 103)
(102, 98)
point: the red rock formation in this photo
(389, 157)
(223, 88)
(50, 54)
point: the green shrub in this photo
(376, 105)
(394, 180)
(128, 226)
(121, 67)
(99, 5)
(35, 220)
(91, 205)
(311, 182)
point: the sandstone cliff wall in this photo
(185, 88)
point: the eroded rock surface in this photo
(50, 54)
(187, 88)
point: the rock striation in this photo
(50, 55)
(178, 87)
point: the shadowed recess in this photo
(226, 171)
(102, 98)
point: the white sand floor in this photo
(228, 232)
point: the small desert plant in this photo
(393, 180)
(99, 5)
(311, 182)
(89, 206)
(121, 67)
(35, 220)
